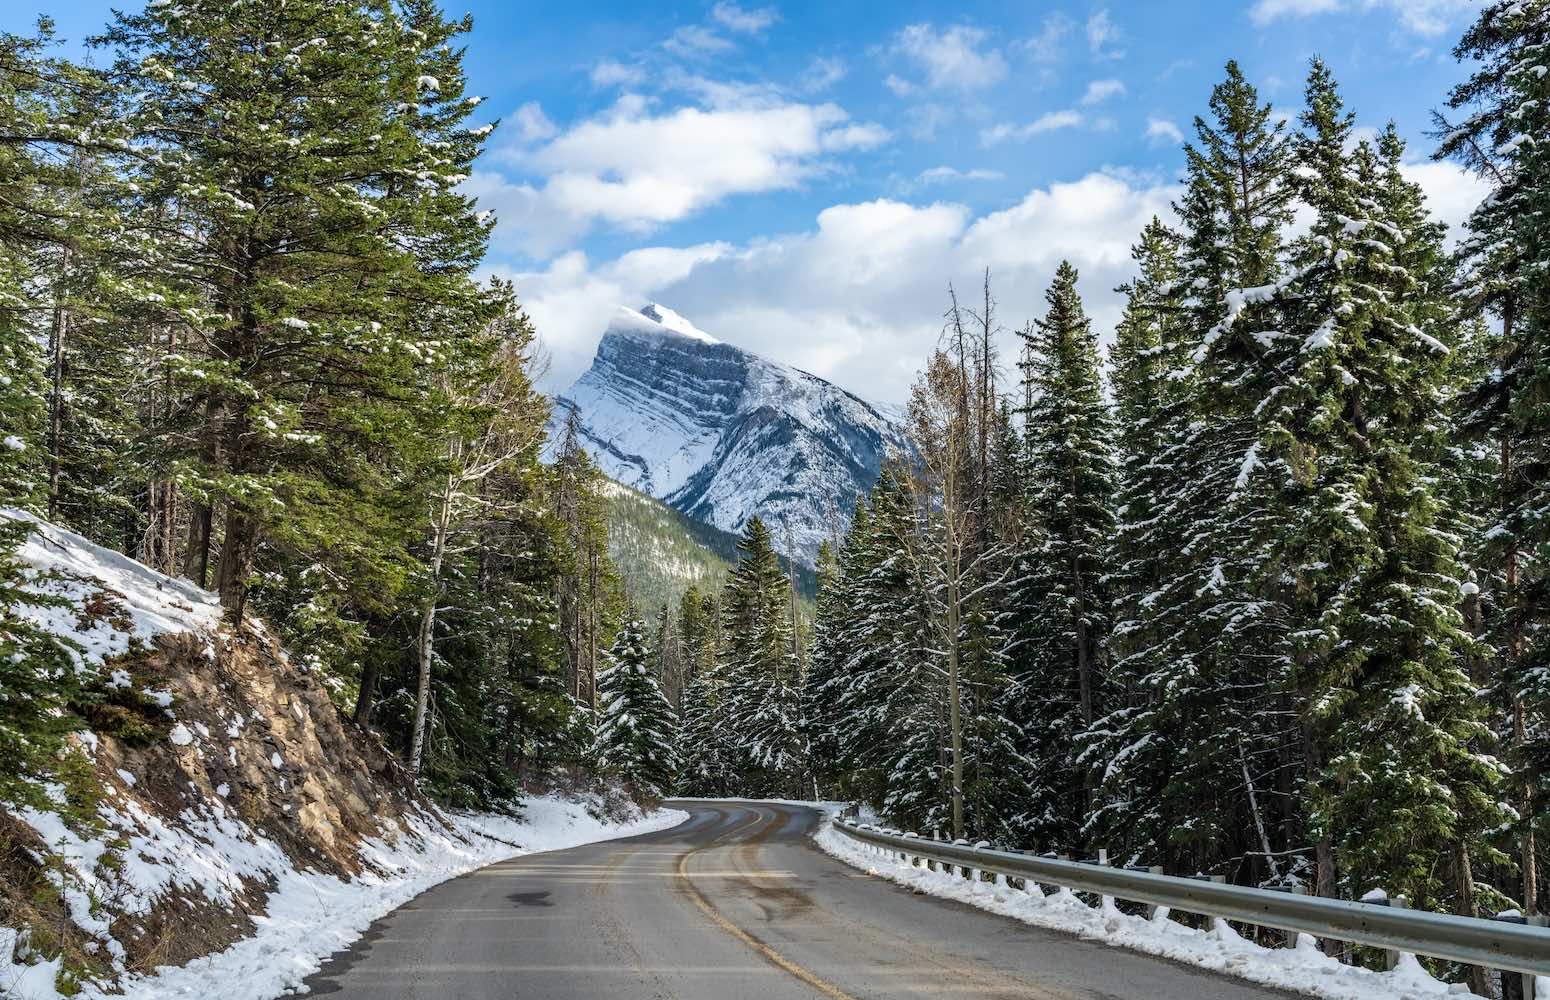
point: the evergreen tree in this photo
(1127, 752)
(1506, 254)
(312, 150)
(587, 590)
(54, 119)
(1221, 671)
(761, 670)
(705, 751)
(822, 720)
(1408, 734)
(636, 733)
(1067, 427)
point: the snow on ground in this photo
(1304, 968)
(63, 564)
(309, 916)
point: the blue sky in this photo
(805, 179)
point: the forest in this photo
(1259, 588)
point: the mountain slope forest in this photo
(660, 552)
(1260, 589)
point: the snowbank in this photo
(147, 603)
(1303, 968)
(309, 915)
(227, 831)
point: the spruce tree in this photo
(636, 733)
(318, 252)
(1506, 254)
(1406, 751)
(822, 720)
(55, 126)
(1221, 656)
(704, 752)
(1128, 753)
(761, 669)
(1068, 431)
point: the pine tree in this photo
(54, 119)
(1222, 664)
(320, 256)
(822, 719)
(1406, 752)
(761, 671)
(1506, 254)
(1127, 752)
(1067, 428)
(587, 584)
(636, 733)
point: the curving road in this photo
(735, 903)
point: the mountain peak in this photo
(656, 320)
(673, 321)
(722, 434)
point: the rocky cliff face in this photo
(723, 434)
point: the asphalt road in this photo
(735, 903)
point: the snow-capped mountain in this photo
(723, 434)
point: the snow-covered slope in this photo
(723, 434)
(219, 831)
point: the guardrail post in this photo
(1392, 955)
(1105, 903)
(1151, 908)
(1291, 936)
(1529, 988)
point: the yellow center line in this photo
(769, 954)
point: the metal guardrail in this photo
(1493, 944)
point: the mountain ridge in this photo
(722, 434)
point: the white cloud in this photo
(532, 124)
(1101, 90)
(1161, 130)
(822, 73)
(695, 40)
(1102, 33)
(957, 57)
(1265, 11)
(635, 169)
(862, 135)
(745, 22)
(615, 74)
(900, 86)
(947, 175)
(1452, 193)
(1007, 132)
(1425, 17)
(858, 299)
(1048, 45)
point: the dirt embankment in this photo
(212, 767)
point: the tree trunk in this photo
(231, 573)
(197, 564)
(425, 639)
(954, 720)
(1463, 878)
(423, 649)
(366, 697)
(1259, 819)
(56, 403)
(1530, 860)
(196, 561)
(592, 624)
